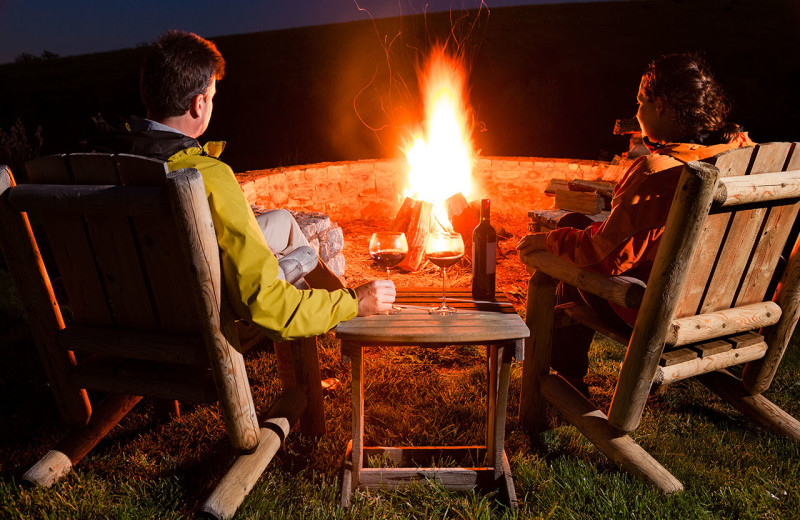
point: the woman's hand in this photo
(531, 243)
(375, 297)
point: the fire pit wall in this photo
(374, 189)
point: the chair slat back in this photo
(116, 269)
(772, 241)
(740, 247)
(711, 258)
(115, 248)
(168, 281)
(72, 249)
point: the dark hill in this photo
(545, 80)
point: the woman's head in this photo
(679, 98)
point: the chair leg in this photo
(231, 382)
(166, 409)
(617, 446)
(539, 318)
(59, 461)
(246, 470)
(757, 407)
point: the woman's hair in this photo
(685, 84)
(179, 66)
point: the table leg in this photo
(491, 402)
(357, 384)
(505, 351)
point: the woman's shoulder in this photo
(651, 164)
(685, 152)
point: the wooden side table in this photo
(495, 325)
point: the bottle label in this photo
(491, 256)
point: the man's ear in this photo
(659, 105)
(196, 108)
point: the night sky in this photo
(84, 26)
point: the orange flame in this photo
(440, 159)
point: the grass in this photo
(151, 469)
(147, 469)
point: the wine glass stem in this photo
(444, 283)
(388, 274)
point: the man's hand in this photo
(375, 297)
(531, 243)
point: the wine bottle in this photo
(484, 256)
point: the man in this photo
(178, 82)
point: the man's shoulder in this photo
(217, 176)
(195, 158)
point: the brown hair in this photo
(178, 67)
(686, 86)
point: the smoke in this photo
(376, 99)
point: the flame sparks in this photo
(440, 158)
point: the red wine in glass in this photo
(444, 259)
(388, 248)
(444, 249)
(388, 258)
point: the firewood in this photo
(556, 184)
(626, 126)
(464, 219)
(603, 188)
(582, 202)
(414, 219)
(403, 216)
(550, 219)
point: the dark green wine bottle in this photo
(484, 256)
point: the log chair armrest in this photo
(621, 290)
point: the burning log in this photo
(414, 219)
(463, 218)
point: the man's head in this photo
(178, 79)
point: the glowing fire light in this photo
(440, 160)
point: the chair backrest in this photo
(135, 250)
(117, 269)
(728, 226)
(740, 245)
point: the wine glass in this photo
(388, 248)
(444, 249)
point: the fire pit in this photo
(373, 188)
(364, 196)
(436, 180)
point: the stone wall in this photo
(373, 188)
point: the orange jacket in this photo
(627, 241)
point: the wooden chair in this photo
(712, 302)
(137, 256)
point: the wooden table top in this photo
(474, 323)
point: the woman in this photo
(682, 114)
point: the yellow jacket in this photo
(250, 270)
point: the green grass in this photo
(150, 469)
